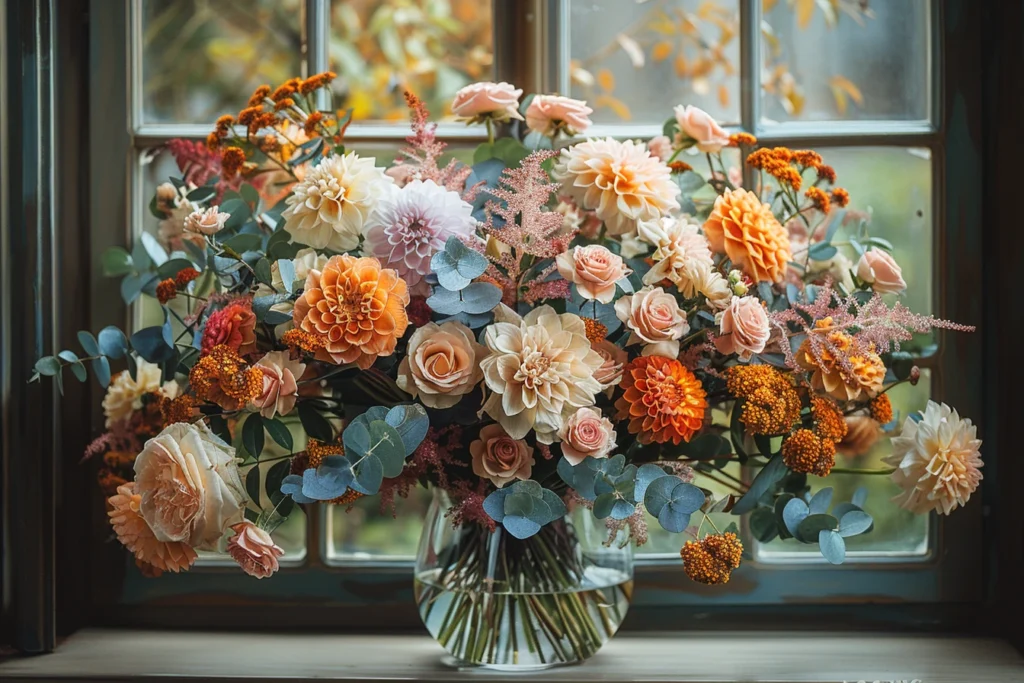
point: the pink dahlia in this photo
(407, 229)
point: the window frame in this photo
(923, 590)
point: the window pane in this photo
(897, 532)
(845, 61)
(381, 48)
(203, 58)
(633, 60)
(364, 532)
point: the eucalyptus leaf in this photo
(411, 422)
(368, 476)
(291, 485)
(793, 513)
(479, 297)
(763, 526)
(832, 546)
(821, 501)
(854, 522)
(520, 527)
(769, 475)
(812, 524)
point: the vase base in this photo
(461, 664)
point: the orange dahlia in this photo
(864, 371)
(357, 306)
(663, 401)
(744, 228)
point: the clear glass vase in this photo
(494, 601)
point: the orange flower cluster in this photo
(166, 290)
(232, 160)
(775, 161)
(302, 340)
(819, 199)
(745, 139)
(663, 400)
(770, 402)
(115, 471)
(180, 409)
(807, 453)
(286, 90)
(840, 196)
(881, 409)
(679, 167)
(829, 422)
(312, 121)
(222, 129)
(316, 82)
(185, 276)
(863, 371)
(596, 330)
(223, 377)
(712, 559)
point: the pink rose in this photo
(254, 550)
(496, 100)
(499, 457)
(880, 269)
(208, 222)
(654, 319)
(586, 435)
(549, 113)
(594, 270)
(661, 147)
(615, 360)
(280, 383)
(744, 328)
(442, 364)
(402, 174)
(698, 125)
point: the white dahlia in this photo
(328, 208)
(937, 461)
(677, 244)
(621, 181)
(412, 224)
(540, 369)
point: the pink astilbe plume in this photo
(469, 504)
(540, 288)
(425, 149)
(198, 165)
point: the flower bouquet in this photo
(566, 340)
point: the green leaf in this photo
(252, 435)
(315, 424)
(808, 529)
(457, 265)
(480, 297)
(386, 445)
(154, 249)
(820, 501)
(737, 433)
(880, 243)
(48, 366)
(252, 484)
(832, 546)
(117, 261)
(769, 475)
(821, 251)
(368, 476)
(249, 194)
(243, 242)
(112, 342)
(794, 512)
(763, 525)
(263, 273)
(172, 267)
(278, 432)
(88, 343)
(854, 522)
(272, 481)
(603, 505)
(101, 370)
(411, 422)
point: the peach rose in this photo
(615, 360)
(744, 328)
(549, 113)
(499, 457)
(402, 174)
(654, 319)
(594, 270)
(660, 147)
(698, 125)
(495, 100)
(587, 434)
(190, 486)
(280, 383)
(442, 364)
(880, 269)
(208, 222)
(862, 433)
(254, 550)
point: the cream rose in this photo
(615, 360)
(660, 147)
(496, 100)
(744, 328)
(587, 434)
(654, 319)
(880, 269)
(190, 486)
(698, 125)
(594, 270)
(546, 114)
(208, 222)
(280, 383)
(442, 364)
(254, 550)
(500, 458)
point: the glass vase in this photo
(498, 602)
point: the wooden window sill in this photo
(116, 655)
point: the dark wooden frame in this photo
(49, 568)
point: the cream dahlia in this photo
(124, 395)
(937, 460)
(622, 181)
(678, 244)
(412, 224)
(331, 204)
(539, 371)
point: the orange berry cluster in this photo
(771, 404)
(712, 559)
(223, 377)
(807, 453)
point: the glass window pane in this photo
(364, 532)
(897, 532)
(381, 48)
(633, 60)
(203, 58)
(845, 61)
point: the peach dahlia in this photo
(744, 228)
(663, 400)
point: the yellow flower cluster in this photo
(771, 404)
(711, 560)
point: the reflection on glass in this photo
(381, 48)
(203, 58)
(634, 60)
(845, 60)
(366, 532)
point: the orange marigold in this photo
(841, 196)
(166, 290)
(185, 276)
(312, 121)
(826, 173)
(596, 330)
(224, 124)
(213, 142)
(249, 114)
(712, 559)
(357, 306)
(231, 161)
(284, 103)
(770, 402)
(829, 422)
(180, 409)
(745, 139)
(223, 377)
(663, 400)
(807, 157)
(807, 453)
(881, 409)
(742, 227)
(819, 198)
(862, 372)
(316, 451)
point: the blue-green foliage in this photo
(456, 294)
(808, 521)
(524, 507)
